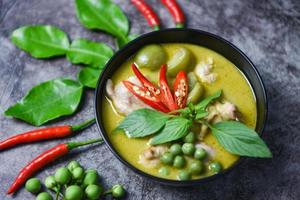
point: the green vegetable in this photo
(118, 191)
(199, 154)
(175, 149)
(195, 93)
(50, 182)
(103, 15)
(180, 61)
(167, 158)
(74, 192)
(238, 139)
(73, 164)
(93, 191)
(78, 173)
(121, 41)
(41, 41)
(179, 162)
(205, 102)
(164, 171)
(175, 128)
(189, 138)
(188, 149)
(91, 177)
(89, 76)
(143, 122)
(184, 175)
(196, 167)
(63, 176)
(33, 185)
(150, 56)
(192, 80)
(215, 167)
(90, 53)
(48, 101)
(44, 196)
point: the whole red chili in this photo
(44, 159)
(175, 11)
(147, 12)
(43, 134)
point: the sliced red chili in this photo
(181, 89)
(145, 82)
(166, 94)
(175, 11)
(146, 96)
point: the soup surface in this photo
(235, 89)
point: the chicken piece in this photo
(150, 157)
(203, 70)
(227, 110)
(124, 101)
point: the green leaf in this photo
(103, 15)
(124, 40)
(205, 102)
(89, 76)
(201, 114)
(143, 122)
(90, 53)
(238, 139)
(41, 41)
(174, 129)
(48, 101)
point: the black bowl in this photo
(192, 36)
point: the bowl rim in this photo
(161, 180)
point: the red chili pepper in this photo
(166, 94)
(43, 134)
(148, 13)
(175, 11)
(181, 89)
(146, 96)
(44, 159)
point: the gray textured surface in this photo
(267, 31)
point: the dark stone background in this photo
(267, 31)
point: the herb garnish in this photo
(234, 136)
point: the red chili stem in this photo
(44, 134)
(44, 159)
(148, 13)
(175, 11)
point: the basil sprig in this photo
(234, 136)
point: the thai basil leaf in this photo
(41, 41)
(120, 42)
(103, 15)
(205, 102)
(89, 76)
(90, 53)
(48, 101)
(143, 122)
(238, 139)
(201, 114)
(174, 129)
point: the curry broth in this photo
(235, 88)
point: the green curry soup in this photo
(235, 89)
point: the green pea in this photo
(91, 177)
(175, 149)
(93, 191)
(195, 93)
(151, 56)
(50, 182)
(74, 192)
(184, 175)
(78, 173)
(73, 164)
(192, 80)
(196, 167)
(179, 162)
(44, 196)
(118, 191)
(167, 158)
(180, 61)
(164, 171)
(189, 138)
(215, 167)
(33, 185)
(63, 176)
(200, 154)
(188, 149)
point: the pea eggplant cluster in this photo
(72, 183)
(178, 155)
